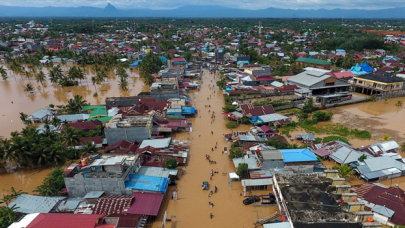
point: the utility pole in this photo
(260, 38)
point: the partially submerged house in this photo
(377, 83)
(40, 115)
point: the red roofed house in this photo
(287, 89)
(122, 147)
(65, 220)
(86, 125)
(250, 110)
(388, 203)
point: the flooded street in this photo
(192, 209)
(12, 90)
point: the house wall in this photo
(380, 218)
(299, 163)
(139, 134)
(160, 95)
(124, 103)
(273, 164)
(78, 186)
(338, 82)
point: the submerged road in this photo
(192, 207)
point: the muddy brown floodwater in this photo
(192, 209)
(14, 100)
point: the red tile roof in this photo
(146, 203)
(266, 78)
(122, 147)
(65, 220)
(178, 59)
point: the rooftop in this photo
(147, 183)
(146, 203)
(156, 143)
(157, 171)
(28, 204)
(112, 204)
(64, 220)
(384, 77)
(298, 155)
(118, 121)
(109, 161)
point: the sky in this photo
(241, 4)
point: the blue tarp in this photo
(298, 155)
(244, 61)
(366, 67)
(357, 70)
(163, 59)
(310, 57)
(187, 110)
(147, 183)
(136, 63)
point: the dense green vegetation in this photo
(52, 184)
(8, 215)
(171, 163)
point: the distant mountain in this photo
(194, 11)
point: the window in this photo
(379, 86)
(329, 84)
(360, 82)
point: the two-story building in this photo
(377, 83)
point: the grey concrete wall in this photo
(164, 95)
(273, 164)
(115, 135)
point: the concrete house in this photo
(317, 81)
(129, 128)
(376, 83)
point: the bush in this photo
(245, 120)
(236, 153)
(261, 103)
(242, 168)
(52, 183)
(232, 124)
(171, 163)
(322, 116)
(318, 140)
(308, 106)
(335, 138)
(229, 108)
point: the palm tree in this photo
(3, 73)
(55, 154)
(345, 171)
(385, 138)
(53, 77)
(40, 77)
(399, 103)
(70, 137)
(29, 88)
(23, 117)
(89, 148)
(123, 84)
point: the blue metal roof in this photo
(147, 183)
(187, 110)
(298, 155)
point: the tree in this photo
(242, 169)
(232, 124)
(345, 171)
(7, 216)
(399, 103)
(229, 108)
(236, 153)
(302, 116)
(40, 77)
(308, 106)
(52, 184)
(28, 88)
(385, 138)
(171, 163)
(187, 56)
(70, 137)
(362, 157)
(23, 117)
(3, 73)
(88, 148)
(385, 100)
(322, 116)
(123, 84)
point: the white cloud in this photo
(242, 4)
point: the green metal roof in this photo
(91, 107)
(102, 119)
(98, 112)
(313, 61)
